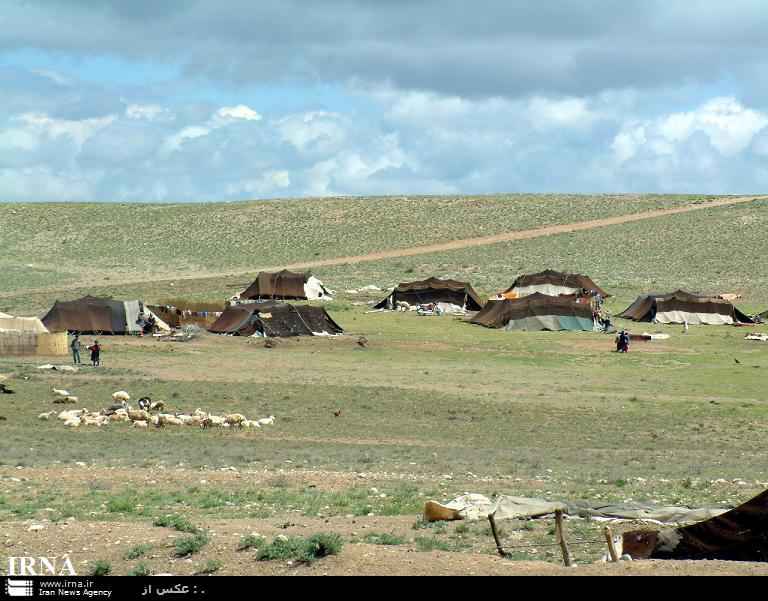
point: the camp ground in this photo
(682, 307)
(505, 437)
(286, 285)
(452, 294)
(94, 315)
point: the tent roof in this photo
(498, 313)
(94, 314)
(274, 319)
(281, 284)
(556, 278)
(432, 287)
(680, 300)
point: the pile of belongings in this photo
(272, 319)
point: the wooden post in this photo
(611, 547)
(560, 535)
(495, 533)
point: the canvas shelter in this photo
(286, 285)
(28, 336)
(537, 312)
(433, 290)
(99, 316)
(740, 534)
(272, 319)
(553, 283)
(684, 307)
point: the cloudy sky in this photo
(191, 100)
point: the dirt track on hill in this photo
(529, 234)
(517, 235)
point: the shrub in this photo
(250, 541)
(189, 545)
(101, 568)
(177, 522)
(210, 567)
(301, 549)
(137, 551)
(141, 569)
(384, 539)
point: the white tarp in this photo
(314, 290)
(548, 289)
(693, 319)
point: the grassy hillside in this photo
(63, 244)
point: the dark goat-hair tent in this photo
(554, 283)
(682, 307)
(275, 320)
(740, 534)
(433, 290)
(537, 312)
(284, 285)
(92, 315)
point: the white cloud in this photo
(78, 130)
(223, 117)
(240, 111)
(149, 112)
(317, 131)
(729, 126)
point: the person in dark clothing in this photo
(95, 354)
(622, 342)
(75, 346)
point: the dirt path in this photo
(551, 230)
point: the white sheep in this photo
(251, 423)
(267, 421)
(121, 395)
(62, 393)
(140, 424)
(73, 422)
(46, 415)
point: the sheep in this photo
(267, 421)
(121, 395)
(216, 420)
(205, 422)
(235, 419)
(73, 422)
(140, 424)
(173, 420)
(66, 400)
(46, 415)
(138, 415)
(189, 420)
(68, 413)
(157, 406)
(61, 393)
(119, 417)
(251, 423)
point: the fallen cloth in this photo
(473, 507)
(758, 337)
(58, 367)
(646, 337)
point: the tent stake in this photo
(611, 547)
(560, 536)
(495, 533)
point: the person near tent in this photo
(95, 349)
(622, 342)
(75, 347)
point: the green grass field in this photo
(433, 407)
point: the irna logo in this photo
(40, 566)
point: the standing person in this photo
(95, 353)
(75, 346)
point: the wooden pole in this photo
(560, 535)
(495, 533)
(611, 547)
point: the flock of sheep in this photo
(148, 413)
